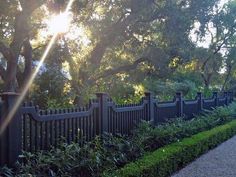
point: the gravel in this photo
(219, 162)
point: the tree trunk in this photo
(207, 79)
(21, 33)
(226, 78)
(10, 83)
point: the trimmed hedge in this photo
(164, 161)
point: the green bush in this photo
(6, 172)
(164, 161)
(86, 161)
(151, 138)
(113, 152)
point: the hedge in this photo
(168, 159)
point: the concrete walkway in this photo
(219, 162)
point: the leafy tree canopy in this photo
(116, 43)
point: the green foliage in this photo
(49, 88)
(122, 93)
(59, 103)
(89, 160)
(164, 161)
(6, 172)
(165, 90)
(151, 138)
(113, 152)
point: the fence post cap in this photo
(199, 95)
(148, 93)
(10, 93)
(178, 93)
(101, 93)
(215, 94)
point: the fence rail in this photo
(32, 129)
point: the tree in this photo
(18, 38)
(220, 29)
(123, 37)
(128, 34)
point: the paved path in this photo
(219, 162)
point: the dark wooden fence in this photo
(32, 129)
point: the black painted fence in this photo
(32, 129)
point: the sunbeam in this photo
(21, 97)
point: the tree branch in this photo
(72, 69)
(27, 53)
(108, 38)
(120, 69)
(21, 23)
(218, 48)
(31, 5)
(229, 70)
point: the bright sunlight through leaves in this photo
(62, 24)
(59, 23)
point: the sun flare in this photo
(59, 23)
(62, 24)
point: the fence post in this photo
(226, 98)
(199, 104)
(10, 135)
(102, 113)
(149, 97)
(179, 100)
(215, 96)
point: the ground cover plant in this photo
(164, 161)
(113, 152)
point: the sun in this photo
(62, 24)
(59, 23)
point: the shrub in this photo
(88, 160)
(164, 161)
(5, 171)
(151, 138)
